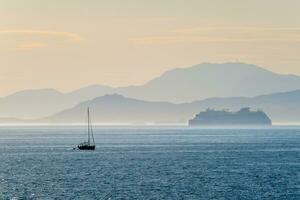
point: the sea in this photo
(150, 162)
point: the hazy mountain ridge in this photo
(117, 108)
(213, 80)
(31, 104)
(178, 85)
(281, 107)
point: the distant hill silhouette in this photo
(213, 80)
(30, 104)
(280, 107)
(118, 109)
(179, 85)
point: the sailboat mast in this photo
(92, 133)
(88, 112)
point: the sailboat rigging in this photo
(90, 144)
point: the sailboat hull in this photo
(87, 147)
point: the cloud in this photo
(67, 35)
(237, 29)
(20, 38)
(222, 35)
(152, 40)
(30, 46)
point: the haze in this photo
(68, 44)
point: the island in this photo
(243, 117)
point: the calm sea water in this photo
(150, 163)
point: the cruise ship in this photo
(243, 117)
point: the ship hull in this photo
(228, 123)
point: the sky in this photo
(69, 44)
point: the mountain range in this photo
(236, 85)
(31, 104)
(212, 80)
(280, 107)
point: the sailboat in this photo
(90, 144)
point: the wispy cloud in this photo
(31, 46)
(222, 35)
(237, 29)
(67, 35)
(29, 39)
